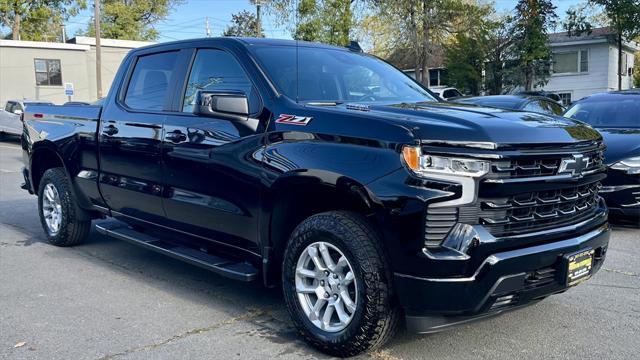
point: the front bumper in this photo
(504, 281)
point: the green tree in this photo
(622, 16)
(476, 54)
(327, 21)
(245, 24)
(530, 50)
(465, 62)
(421, 24)
(37, 19)
(131, 19)
(498, 44)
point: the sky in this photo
(188, 19)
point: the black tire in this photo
(73, 228)
(376, 317)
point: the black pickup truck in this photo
(330, 173)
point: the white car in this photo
(446, 93)
(10, 116)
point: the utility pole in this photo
(207, 30)
(64, 34)
(96, 15)
(258, 23)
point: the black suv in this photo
(329, 173)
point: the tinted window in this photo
(322, 74)
(8, 106)
(149, 84)
(614, 111)
(451, 93)
(215, 70)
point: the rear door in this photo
(130, 138)
(211, 170)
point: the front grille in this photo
(438, 224)
(541, 165)
(538, 210)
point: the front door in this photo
(131, 140)
(211, 171)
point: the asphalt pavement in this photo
(108, 299)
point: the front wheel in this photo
(59, 213)
(337, 284)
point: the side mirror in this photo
(232, 105)
(17, 112)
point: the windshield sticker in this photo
(293, 120)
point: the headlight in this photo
(426, 164)
(630, 165)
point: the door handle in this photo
(110, 130)
(176, 136)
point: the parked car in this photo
(447, 93)
(363, 208)
(617, 116)
(10, 116)
(536, 104)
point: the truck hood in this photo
(622, 143)
(461, 122)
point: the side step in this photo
(230, 268)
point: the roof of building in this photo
(597, 35)
(130, 44)
(78, 43)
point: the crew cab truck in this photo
(330, 173)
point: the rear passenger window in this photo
(215, 70)
(149, 84)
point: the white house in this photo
(588, 64)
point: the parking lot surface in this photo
(111, 300)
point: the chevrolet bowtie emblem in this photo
(575, 165)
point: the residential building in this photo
(588, 64)
(39, 70)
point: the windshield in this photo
(328, 75)
(607, 112)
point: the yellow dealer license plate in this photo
(580, 266)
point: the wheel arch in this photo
(296, 196)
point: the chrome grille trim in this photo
(537, 210)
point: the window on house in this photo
(623, 69)
(48, 72)
(434, 77)
(565, 98)
(584, 61)
(571, 62)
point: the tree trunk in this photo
(15, 29)
(426, 79)
(620, 61)
(416, 44)
(528, 79)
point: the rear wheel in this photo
(59, 213)
(337, 284)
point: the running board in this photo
(229, 268)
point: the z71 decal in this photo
(293, 120)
